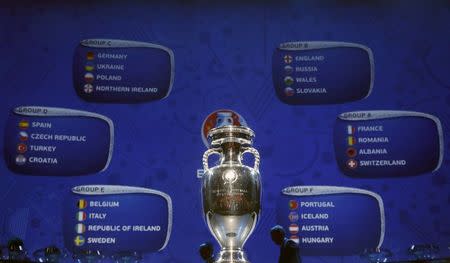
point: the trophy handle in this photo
(255, 154)
(206, 155)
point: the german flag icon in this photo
(90, 55)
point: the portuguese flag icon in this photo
(293, 204)
(81, 204)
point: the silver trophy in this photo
(231, 191)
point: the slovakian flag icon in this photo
(24, 124)
(81, 204)
(289, 91)
(294, 229)
(81, 216)
(293, 204)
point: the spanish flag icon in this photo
(351, 140)
(81, 204)
(90, 55)
(24, 124)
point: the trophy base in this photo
(231, 256)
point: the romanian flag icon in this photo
(90, 55)
(24, 124)
(351, 140)
(81, 204)
(81, 216)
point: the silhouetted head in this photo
(15, 245)
(52, 251)
(206, 251)
(277, 233)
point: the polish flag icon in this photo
(89, 77)
(294, 229)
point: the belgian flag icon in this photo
(81, 204)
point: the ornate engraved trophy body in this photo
(231, 191)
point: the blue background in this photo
(95, 149)
(355, 227)
(134, 209)
(413, 139)
(223, 60)
(144, 67)
(344, 73)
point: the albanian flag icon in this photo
(351, 152)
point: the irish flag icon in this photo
(80, 228)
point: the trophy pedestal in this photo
(231, 256)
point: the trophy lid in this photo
(231, 133)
